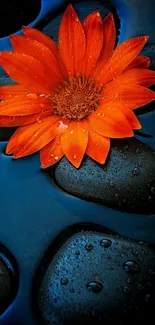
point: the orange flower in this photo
(71, 99)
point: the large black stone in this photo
(8, 280)
(97, 278)
(125, 182)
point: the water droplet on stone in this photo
(95, 287)
(151, 272)
(131, 267)
(89, 247)
(147, 298)
(129, 281)
(140, 286)
(136, 171)
(126, 290)
(112, 184)
(72, 290)
(134, 252)
(77, 253)
(105, 243)
(64, 281)
(153, 190)
(124, 156)
(149, 284)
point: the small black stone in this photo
(105, 286)
(123, 184)
(8, 281)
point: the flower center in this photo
(76, 98)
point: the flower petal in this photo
(133, 95)
(48, 42)
(26, 70)
(98, 146)
(109, 40)
(9, 91)
(31, 138)
(10, 121)
(74, 143)
(72, 44)
(131, 117)
(41, 37)
(142, 77)
(23, 106)
(123, 55)
(93, 28)
(128, 113)
(51, 153)
(39, 51)
(140, 62)
(110, 122)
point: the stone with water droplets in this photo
(93, 277)
(8, 282)
(123, 184)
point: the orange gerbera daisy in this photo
(71, 99)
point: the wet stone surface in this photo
(112, 283)
(8, 282)
(126, 182)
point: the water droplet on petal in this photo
(32, 96)
(74, 156)
(56, 157)
(71, 132)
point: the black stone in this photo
(125, 182)
(112, 284)
(14, 15)
(8, 280)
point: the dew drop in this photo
(153, 190)
(129, 281)
(64, 281)
(112, 184)
(140, 286)
(98, 14)
(131, 267)
(105, 243)
(89, 247)
(77, 253)
(56, 157)
(71, 132)
(72, 290)
(134, 252)
(94, 286)
(124, 156)
(138, 150)
(32, 96)
(126, 290)
(74, 156)
(136, 171)
(147, 298)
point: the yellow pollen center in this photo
(76, 98)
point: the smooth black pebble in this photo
(8, 280)
(108, 284)
(126, 182)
